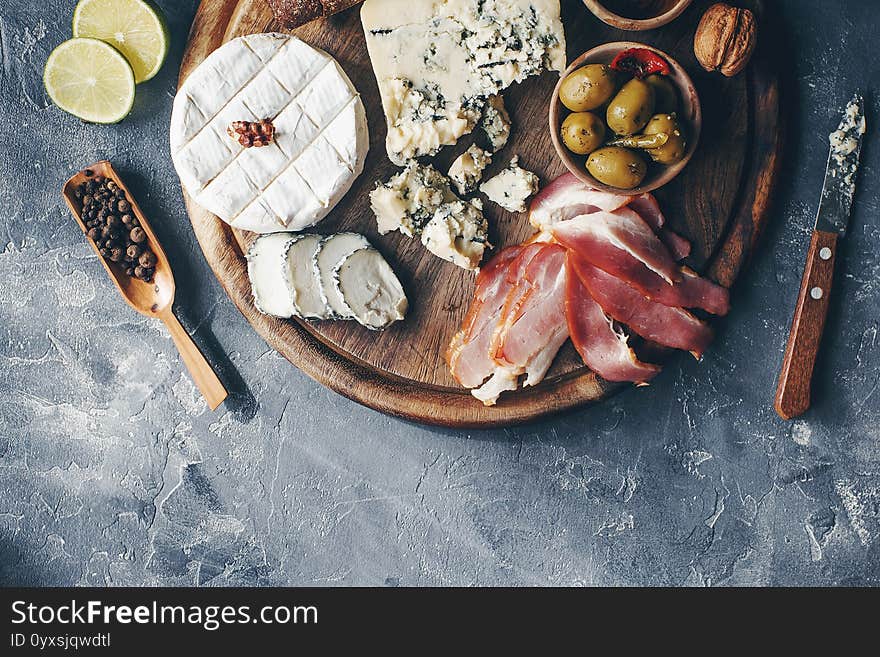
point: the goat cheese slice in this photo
(332, 251)
(512, 187)
(321, 139)
(468, 168)
(305, 280)
(437, 61)
(370, 289)
(270, 276)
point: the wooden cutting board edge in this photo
(445, 407)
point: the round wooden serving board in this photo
(719, 203)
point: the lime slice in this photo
(91, 80)
(133, 27)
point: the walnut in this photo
(252, 133)
(725, 39)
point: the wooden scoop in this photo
(151, 299)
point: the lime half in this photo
(91, 80)
(133, 27)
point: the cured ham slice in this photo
(468, 353)
(603, 349)
(649, 210)
(624, 230)
(665, 325)
(567, 197)
(689, 291)
(532, 327)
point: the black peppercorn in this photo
(138, 235)
(147, 259)
(133, 251)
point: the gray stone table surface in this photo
(114, 472)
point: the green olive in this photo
(631, 108)
(617, 167)
(665, 94)
(588, 87)
(583, 132)
(674, 149)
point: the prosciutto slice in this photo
(649, 210)
(603, 349)
(567, 197)
(623, 230)
(532, 327)
(468, 353)
(689, 291)
(665, 325)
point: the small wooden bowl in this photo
(666, 12)
(690, 114)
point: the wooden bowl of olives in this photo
(637, 15)
(625, 118)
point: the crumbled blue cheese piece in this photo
(495, 124)
(419, 201)
(409, 199)
(512, 187)
(458, 233)
(467, 170)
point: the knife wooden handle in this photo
(793, 391)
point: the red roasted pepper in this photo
(640, 63)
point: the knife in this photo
(793, 391)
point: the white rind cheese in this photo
(320, 144)
(458, 233)
(437, 61)
(371, 290)
(512, 187)
(467, 170)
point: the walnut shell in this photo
(726, 39)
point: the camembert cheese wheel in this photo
(320, 136)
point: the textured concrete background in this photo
(114, 472)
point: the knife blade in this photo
(840, 174)
(832, 218)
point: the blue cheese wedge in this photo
(458, 232)
(332, 251)
(437, 61)
(320, 140)
(495, 124)
(467, 170)
(270, 278)
(512, 187)
(371, 291)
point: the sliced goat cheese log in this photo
(458, 232)
(332, 251)
(305, 280)
(370, 289)
(270, 275)
(437, 61)
(512, 187)
(467, 170)
(495, 124)
(320, 139)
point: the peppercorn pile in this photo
(117, 233)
